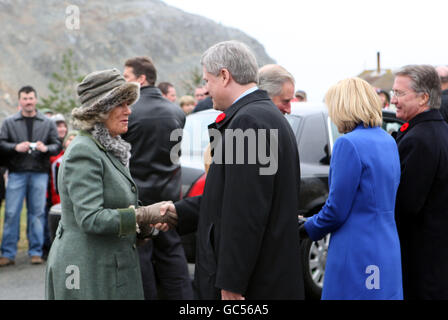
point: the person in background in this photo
(204, 104)
(53, 193)
(279, 84)
(359, 211)
(47, 112)
(3, 169)
(61, 125)
(422, 207)
(442, 71)
(385, 98)
(28, 138)
(199, 94)
(300, 96)
(187, 104)
(168, 91)
(158, 178)
(94, 253)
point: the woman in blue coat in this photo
(364, 254)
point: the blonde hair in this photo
(185, 100)
(351, 102)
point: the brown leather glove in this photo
(151, 215)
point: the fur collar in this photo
(117, 146)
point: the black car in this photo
(315, 136)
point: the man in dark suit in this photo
(248, 242)
(421, 208)
(151, 123)
(443, 75)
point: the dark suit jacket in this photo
(444, 105)
(151, 123)
(247, 240)
(422, 206)
(204, 104)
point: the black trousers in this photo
(164, 268)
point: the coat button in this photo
(133, 189)
(134, 246)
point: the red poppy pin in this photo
(404, 127)
(220, 117)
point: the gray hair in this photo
(424, 79)
(271, 78)
(234, 56)
(442, 71)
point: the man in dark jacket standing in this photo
(247, 226)
(28, 138)
(443, 75)
(422, 207)
(152, 120)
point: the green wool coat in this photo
(94, 253)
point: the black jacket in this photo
(422, 206)
(247, 234)
(14, 131)
(151, 123)
(204, 104)
(444, 105)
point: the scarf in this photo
(117, 146)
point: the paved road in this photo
(22, 281)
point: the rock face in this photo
(35, 33)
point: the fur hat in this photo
(100, 92)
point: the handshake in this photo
(161, 216)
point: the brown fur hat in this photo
(99, 92)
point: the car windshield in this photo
(294, 122)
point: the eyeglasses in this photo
(399, 94)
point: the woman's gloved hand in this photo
(150, 215)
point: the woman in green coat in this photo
(94, 253)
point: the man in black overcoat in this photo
(248, 243)
(422, 198)
(443, 75)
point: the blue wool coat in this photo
(364, 253)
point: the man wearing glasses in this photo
(422, 199)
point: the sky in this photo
(323, 41)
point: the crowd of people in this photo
(120, 192)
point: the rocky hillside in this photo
(34, 35)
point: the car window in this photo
(195, 135)
(334, 133)
(313, 140)
(294, 122)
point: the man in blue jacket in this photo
(29, 139)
